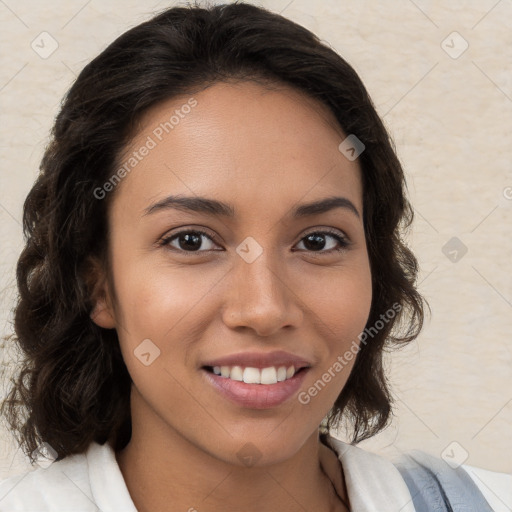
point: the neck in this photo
(165, 472)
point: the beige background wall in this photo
(449, 109)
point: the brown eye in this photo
(187, 241)
(315, 241)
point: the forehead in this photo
(242, 142)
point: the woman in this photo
(163, 374)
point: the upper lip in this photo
(260, 360)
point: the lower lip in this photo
(256, 396)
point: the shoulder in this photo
(421, 482)
(433, 480)
(495, 486)
(85, 482)
(64, 485)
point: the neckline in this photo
(346, 505)
(371, 481)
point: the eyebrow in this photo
(218, 208)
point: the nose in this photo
(261, 297)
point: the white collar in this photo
(107, 482)
(373, 483)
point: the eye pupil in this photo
(194, 238)
(318, 241)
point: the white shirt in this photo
(93, 480)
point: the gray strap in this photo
(437, 487)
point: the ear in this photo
(102, 313)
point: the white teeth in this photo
(268, 376)
(281, 374)
(236, 373)
(250, 375)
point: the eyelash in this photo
(344, 243)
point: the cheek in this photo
(340, 304)
(157, 296)
(157, 308)
(341, 299)
(169, 306)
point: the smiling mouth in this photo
(250, 375)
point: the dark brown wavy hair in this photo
(73, 386)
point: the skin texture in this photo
(264, 151)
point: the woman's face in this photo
(257, 283)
